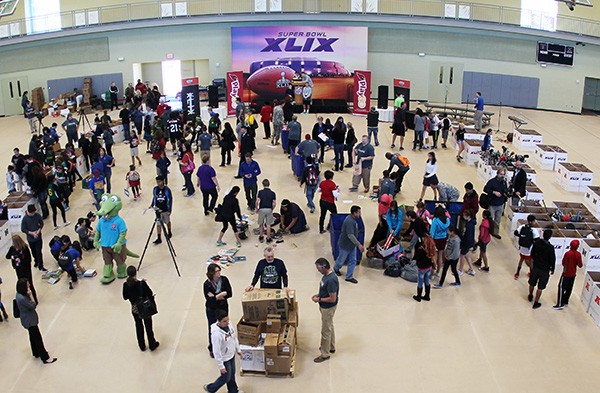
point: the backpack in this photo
(446, 123)
(312, 177)
(410, 272)
(429, 247)
(525, 236)
(404, 160)
(134, 176)
(393, 270)
(427, 124)
(154, 146)
(484, 200)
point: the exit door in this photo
(591, 94)
(445, 82)
(12, 91)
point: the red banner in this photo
(235, 88)
(362, 92)
(189, 81)
(401, 83)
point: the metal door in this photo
(12, 90)
(591, 94)
(445, 82)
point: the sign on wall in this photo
(272, 56)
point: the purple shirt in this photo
(205, 174)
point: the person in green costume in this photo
(110, 235)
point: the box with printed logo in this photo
(253, 357)
(591, 278)
(590, 253)
(594, 309)
(592, 199)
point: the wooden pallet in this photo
(291, 373)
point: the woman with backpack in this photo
(439, 233)
(423, 256)
(467, 242)
(187, 168)
(310, 176)
(485, 229)
(227, 143)
(134, 290)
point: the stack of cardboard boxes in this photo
(267, 331)
(87, 90)
(37, 98)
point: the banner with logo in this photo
(402, 88)
(235, 89)
(190, 98)
(362, 92)
(273, 56)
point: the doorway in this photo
(12, 91)
(591, 94)
(446, 80)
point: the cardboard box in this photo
(590, 253)
(293, 318)
(253, 358)
(292, 299)
(259, 303)
(591, 278)
(286, 344)
(271, 341)
(594, 309)
(273, 324)
(278, 364)
(249, 332)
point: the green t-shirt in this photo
(398, 101)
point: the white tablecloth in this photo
(222, 111)
(386, 115)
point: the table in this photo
(386, 115)
(222, 111)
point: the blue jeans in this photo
(373, 131)
(418, 139)
(310, 195)
(338, 151)
(423, 277)
(412, 243)
(227, 378)
(126, 131)
(343, 256)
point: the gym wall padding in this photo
(44, 54)
(510, 90)
(100, 83)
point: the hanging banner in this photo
(272, 57)
(190, 98)
(235, 89)
(362, 92)
(402, 89)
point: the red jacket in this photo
(572, 260)
(470, 202)
(266, 113)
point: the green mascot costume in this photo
(110, 235)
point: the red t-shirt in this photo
(327, 187)
(162, 144)
(266, 113)
(484, 231)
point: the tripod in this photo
(158, 220)
(83, 119)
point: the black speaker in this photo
(213, 96)
(382, 97)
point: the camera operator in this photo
(71, 126)
(497, 190)
(162, 202)
(518, 183)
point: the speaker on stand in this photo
(382, 97)
(213, 96)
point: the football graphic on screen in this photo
(271, 81)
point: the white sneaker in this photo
(460, 273)
(471, 272)
(67, 223)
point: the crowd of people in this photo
(434, 239)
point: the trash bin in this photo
(452, 207)
(335, 230)
(285, 134)
(297, 164)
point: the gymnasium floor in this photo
(481, 337)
